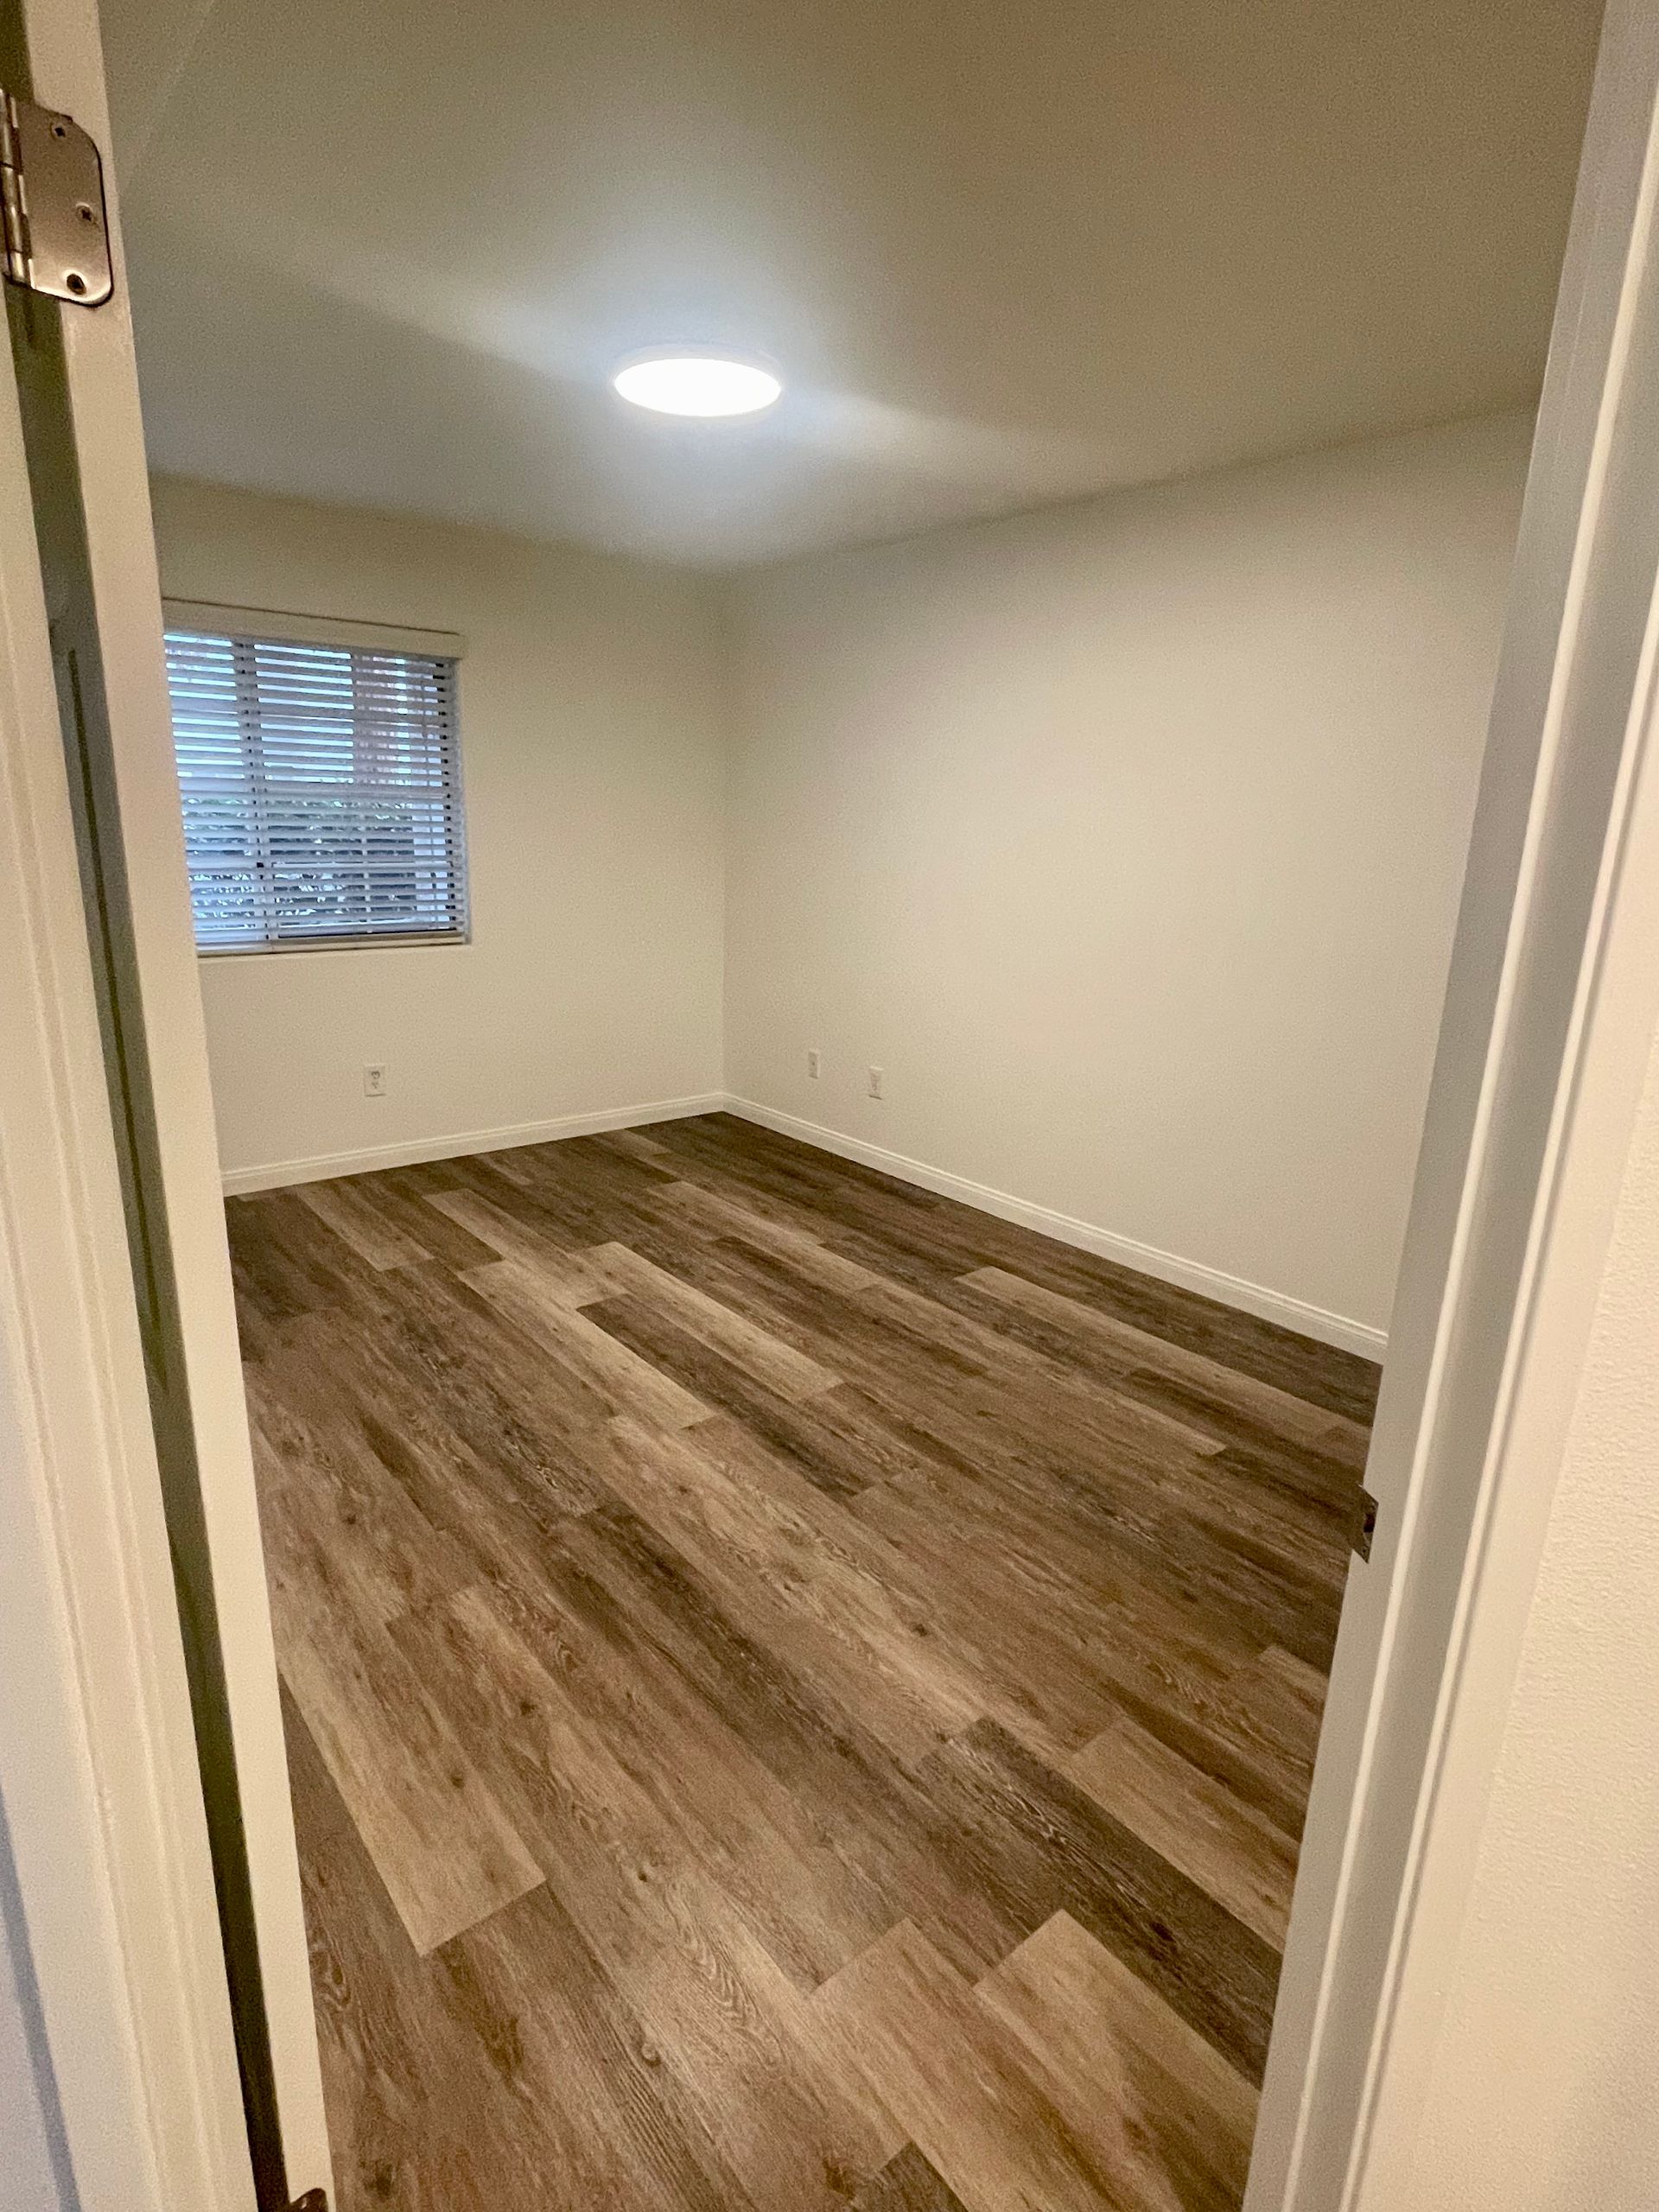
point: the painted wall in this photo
(1126, 838)
(593, 768)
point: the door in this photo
(82, 452)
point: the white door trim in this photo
(97, 1756)
(66, 61)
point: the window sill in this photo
(388, 942)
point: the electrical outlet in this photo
(878, 1077)
(814, 1064)
(374, 1079)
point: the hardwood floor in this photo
(800, 1695)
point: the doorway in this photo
(693, 1346)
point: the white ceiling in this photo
(386, 252)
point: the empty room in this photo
(827, 670)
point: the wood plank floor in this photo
(800, 1695)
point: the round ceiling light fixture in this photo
(695, 381)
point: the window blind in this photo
(321, 791)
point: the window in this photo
(322, 790)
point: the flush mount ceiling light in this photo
(688, 380)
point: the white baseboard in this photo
(1187, 1274)
(322, 1166)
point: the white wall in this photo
(592, 761)
(1543, 2096)
(1127, 838)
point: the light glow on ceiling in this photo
(687, 380)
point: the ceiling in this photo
(386, 252)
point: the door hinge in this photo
(1364, 1523)
(57, 238)
(314, 2199)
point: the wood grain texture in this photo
(801, 1696)
(1163, 2113)
(907, 2183)
(446, 1851)
(954, 2079)
(1195, 1822)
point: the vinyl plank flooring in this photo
(475, 1471)
(907, 1234)
(440, 1841)
(794, 1590)
(972, 1393)
(707, 1995)
(715, 1214)
(907, 2183)
(360, 1224)
(415, 2119)
(1141, 1536)
(853, 1791)
(611, 1370)
(1016, 1601)
(510, 1396)
(590, 1203)
(612, 2120)
(1283, 1410)
(1284, 1698)
(836, 1437)
(513, 1233)
(800, 1695)
(1342, 1382)
(401, 1198)
(811, 1908)
(1321, 1456)
(633, 1144)
(907, 2027)
(1192, 1820)
(323, 1489)
(774, 1365)
(1163, 2114)
(287, 1261)
(1051, 1848)
(925, 1631)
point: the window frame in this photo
(248, 626)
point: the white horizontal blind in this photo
(321, 791)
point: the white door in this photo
(1534, 1073)
(103, 792)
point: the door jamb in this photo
(97, 1757)
(1550, 1015)
(63, 54)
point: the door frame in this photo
(123, 1970)
(1551, 1009)
(65, 59)
(1550, 1014)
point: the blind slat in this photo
(321, 788)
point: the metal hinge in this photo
(1364, 1523)
(57, 240)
